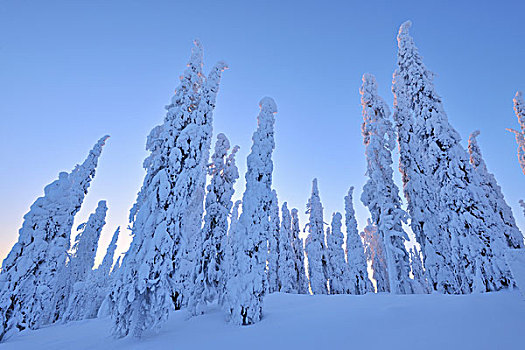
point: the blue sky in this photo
(74, 71)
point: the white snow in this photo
(372, 321)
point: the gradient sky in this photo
(72, 71)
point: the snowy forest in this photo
(192, 246)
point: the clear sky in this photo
(72, 71)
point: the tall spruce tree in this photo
(519, 109)
(452, 222)
(359, 283)
(315, 244)
(248, 279)
(104, 276)
(32, 285)
(107, 261)
(210, 271)
(375, 254)
(166, 218)
(338, 269)
(512, 234)
(287, 275)
(80, 267)
(298, 248)
(380, 193)
(86, 243)
(273, 245)
(229, 249)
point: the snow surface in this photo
(373, 321)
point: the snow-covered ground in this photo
(373, 321)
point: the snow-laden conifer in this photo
(210, 271)
(338, 269)
(32, 285)
(380, 193)
(418, 188)
(519, 109)
(287, 274)
(452, 222)
(107, 261)
(359, 283)
(248, 279)
(315, 244)
(421, 285)
(80, 266)
(273, 245)
(89, 293)
(166, 218)
(298, 249)
(106, 274)
(199, 138)
(228, 243)
(494, 195)
(86, 243)
(375, 254)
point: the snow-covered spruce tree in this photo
(210, 273)
(248, 279)
(105, 267)
(31, 285)
(86, 243)
(315, 244)
(273, 245)
(419, 190)
(522, 204)
(380, 194)
(492, 191)
(359, 283)
(298, 249)
(80, 265)
(89, 293)
(106, 273)
(421, 285)
(286, 262)
(338, 269)
(228, 254)
(375, 253)
(191, 218)
(166, 218)
(453, 223)
(519, 109)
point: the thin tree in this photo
(380, 193)
(298, 248)
(315, 244)
(81, 276)
(359, 283)
(248, 279)
(338, 277)
(273, 245)
(287, 273)
(375, 254)
(519, 109)
(105, 274)
(210, 272)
